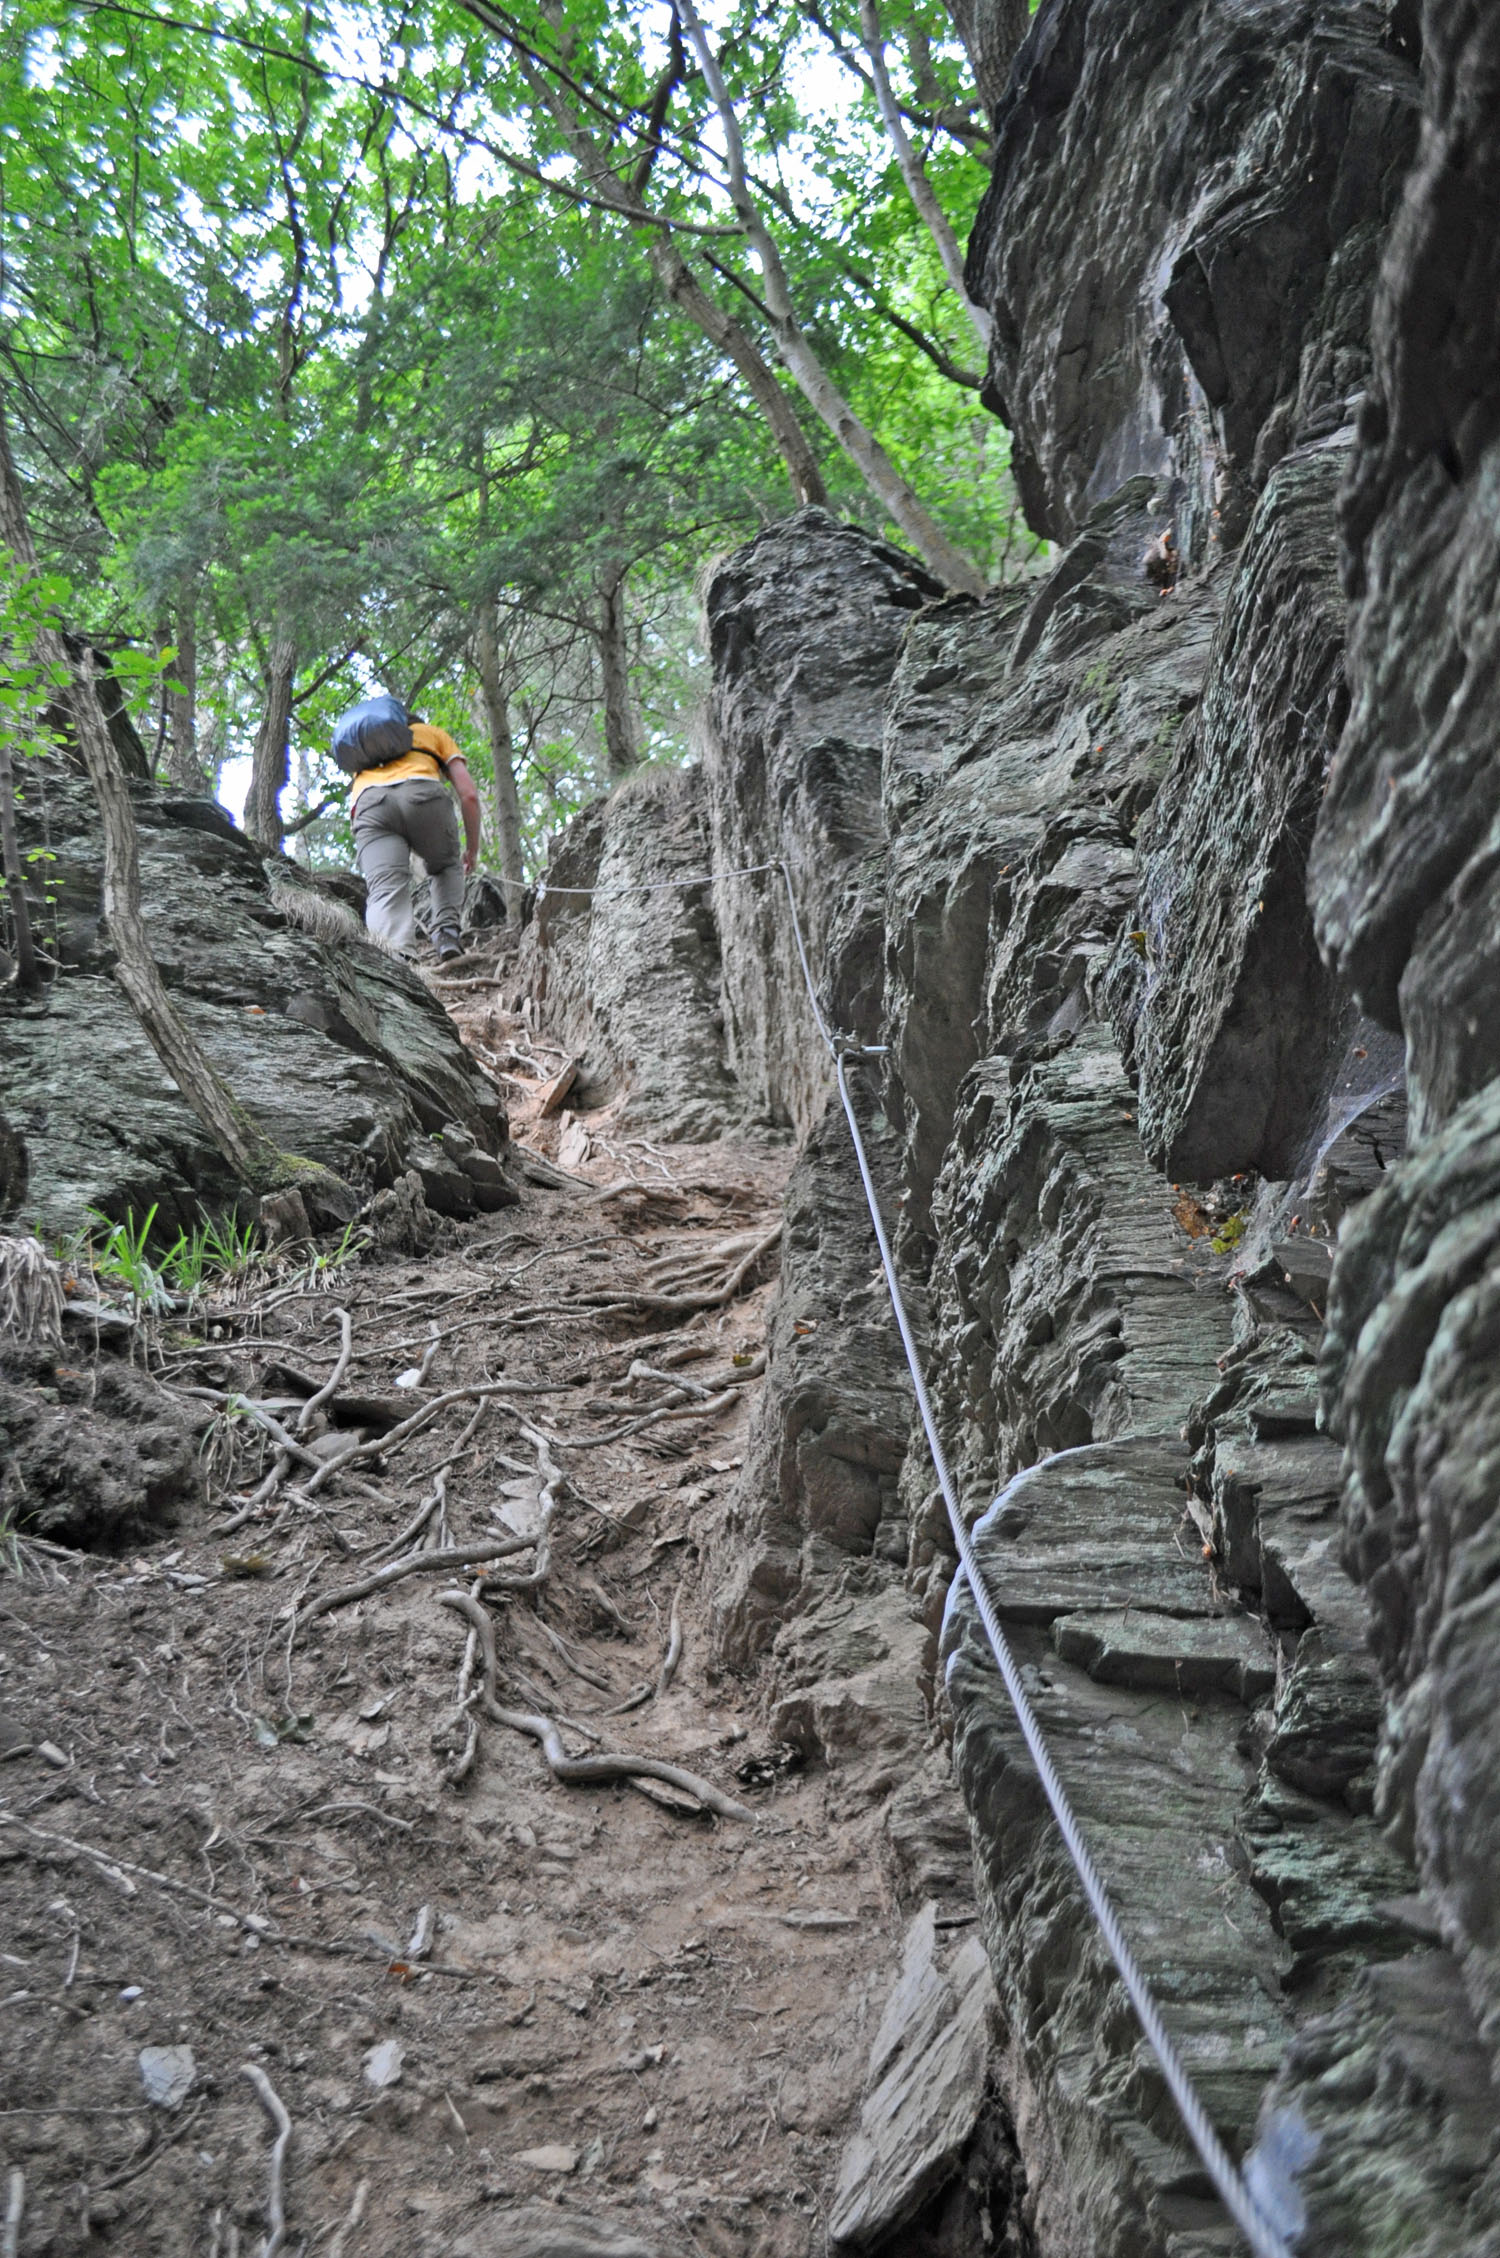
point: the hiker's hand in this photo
(471, 857)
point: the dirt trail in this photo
(246, 1835)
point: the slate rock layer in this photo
(1405, 869)
(1179, 241)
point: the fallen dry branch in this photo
(608, 1764)
(281, 2123)
(572, 1661)
(354, 2215)
(119, 1871)
(155, 2147)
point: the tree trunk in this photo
(496, 706)
(268, 769)
(895, 493)
(914, 173)
(184, 768)
(209, 724)
(622, 750)
(239, 1137)
(991, 31)
(28, 974)
(688, 295)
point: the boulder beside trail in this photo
(336, 1046)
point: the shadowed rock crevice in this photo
(1232, 1011)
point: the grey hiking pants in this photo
(391, 823)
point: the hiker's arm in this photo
(468, 800)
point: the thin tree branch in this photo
(914, 173)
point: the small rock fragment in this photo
(383, 2063)
(167, 2073)
(553, 2156)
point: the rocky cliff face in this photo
(1179, 244)
(1141, 893)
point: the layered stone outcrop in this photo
(343, 1053)
(1231, 1012)
(1401, 880)
(792, 755)
(1071, 1305)
(1024, 737)
(1143, 1677)
(1179, 241)
(622, 954)
(1404, 867)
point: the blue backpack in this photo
(372, 735)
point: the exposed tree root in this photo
(330, 1387)
(418, 1564)
(281, 2123)
(608, 1764)
(673, 1655)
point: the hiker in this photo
(400, 805)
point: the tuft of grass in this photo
(217, 1252)
(214, 1253)
(120, 1259)
(210, 1255)
(320, 1269)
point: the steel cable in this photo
(1262, 2236)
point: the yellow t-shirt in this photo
(434, 749)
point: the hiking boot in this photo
(447, 945)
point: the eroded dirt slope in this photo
(489, 2002)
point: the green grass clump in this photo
(215, 1253)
